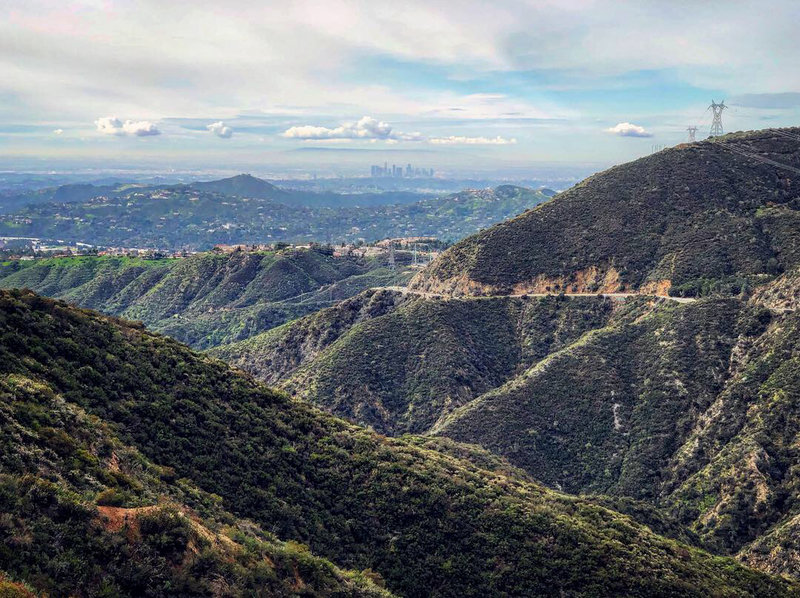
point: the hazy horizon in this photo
(333, 87)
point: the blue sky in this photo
(467, 85)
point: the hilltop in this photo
(685, 219)
(428, 522)
(243, 185)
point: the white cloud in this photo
(220, 130)
(111, 125)
(371, 129)
(58, 131)
(629, 130)
(441, 60)
(459, 140)
(365, 128)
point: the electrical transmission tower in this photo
(716, 125)
(692, 132)
(392, 264)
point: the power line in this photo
(786, 134)
(758, 158)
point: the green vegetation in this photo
(400, 363)
(247, 210)
(86, 515)
(427, 522)
(696, 211)
(689, 409)
(206, 299)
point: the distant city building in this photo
(396, 171)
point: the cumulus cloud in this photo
(365, 128)
(58, 131)
(368, 128)
(629, 130)
(220, 130)
(460, 140)
(111, 125)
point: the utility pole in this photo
(716, 125)
(692, 132)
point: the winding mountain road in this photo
(618, 296)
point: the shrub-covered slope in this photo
(691, 407)
(688, 407)
(608, 412)
(684, 215)
(399, 363)
(428, 522)
(205, 299)
(83, 514)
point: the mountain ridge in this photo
(205, 299)
(726, 216)
(428, 522)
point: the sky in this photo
(324, 85)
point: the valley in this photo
(368, 299)
(613, 418)
(428, 522)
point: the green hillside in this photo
(243, 185)
(400, 363)
(688, 407)
(250, 211)
(205, 299)
(84, 514)
(687, 218)
(427, 522)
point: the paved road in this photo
(620, 296)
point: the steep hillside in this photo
(400, 363)
(428, 522)
(608, 412)
(688, 407)
(674, 220)
(205, 299)
(84, 514)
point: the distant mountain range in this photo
(244, 209)
(243, 185)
